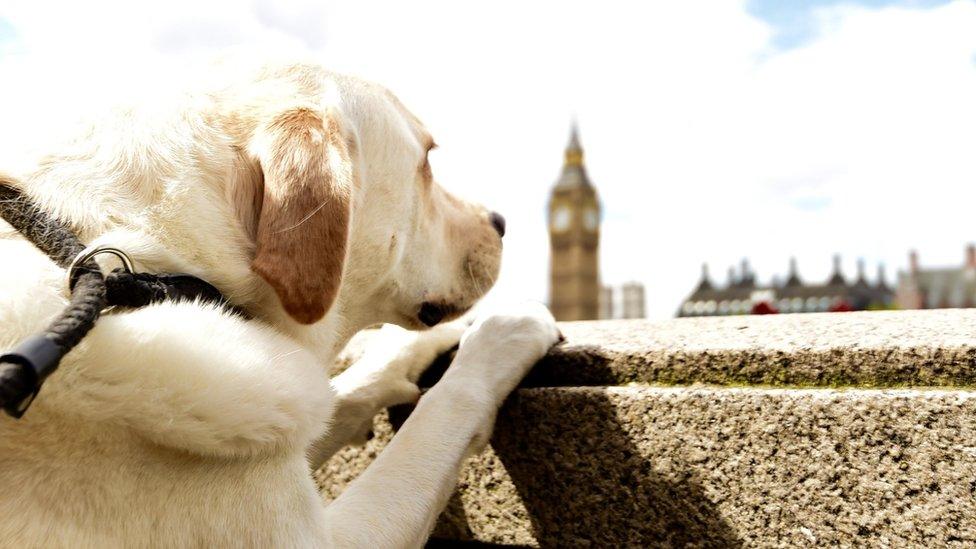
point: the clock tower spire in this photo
(574, 236)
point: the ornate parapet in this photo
(782, 430)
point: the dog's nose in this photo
(431, 314)
(498, 222)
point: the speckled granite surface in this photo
(871, 349)
(720, 466)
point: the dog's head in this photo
(352, 219)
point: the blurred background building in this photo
(575, 292)
(938, 288)
(574, 236)
(742, 294)
(624, 301)
(632, 298)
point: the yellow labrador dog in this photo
(307, 199)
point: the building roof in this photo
(815, 297)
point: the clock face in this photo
(560, 218)
(591, 219)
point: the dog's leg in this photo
(385, 375)
(395, 502)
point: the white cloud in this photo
(705, 142)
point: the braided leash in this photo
(24, 369)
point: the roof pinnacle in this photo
(837, 277)
(882, 283)
(861, 276)
(574, 151)
(705, 283)
(794, 277)
(574, 172)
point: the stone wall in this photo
(787, 430)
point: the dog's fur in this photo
(307, 199)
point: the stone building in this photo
(632, 298)
(743, 295)
(574, 235)
(624, 301)
(939, 288)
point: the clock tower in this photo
(574, 236)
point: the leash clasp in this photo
(92, 251)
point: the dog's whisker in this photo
(474, 281)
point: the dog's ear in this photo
(301, 230)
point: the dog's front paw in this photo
(387, 372)
(527, 330)
(502, 345)
(399, 354)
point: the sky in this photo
(713, 131)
